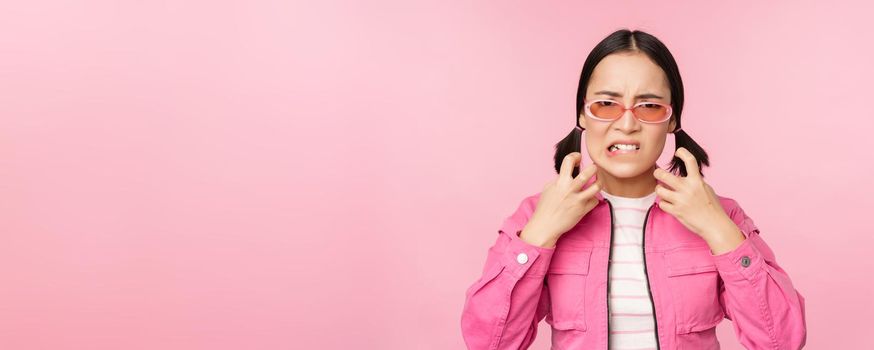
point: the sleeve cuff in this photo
(741, 262)
(524, 259)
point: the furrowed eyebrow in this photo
(616, 94)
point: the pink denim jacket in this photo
(691, 289)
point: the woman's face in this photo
(627, 78)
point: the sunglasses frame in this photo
(588, 112)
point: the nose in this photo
(627, 123)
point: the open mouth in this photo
(622, 148)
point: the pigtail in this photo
(568, 145)
(684, 140)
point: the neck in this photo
(633, 187)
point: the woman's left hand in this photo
(694, 203)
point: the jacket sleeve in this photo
(504, 306)
(766, 310)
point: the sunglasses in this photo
(645, 112)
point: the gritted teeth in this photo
(619, 146)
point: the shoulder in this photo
(523, 212)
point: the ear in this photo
(582, 119)
(672, 125)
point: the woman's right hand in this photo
(563, 202)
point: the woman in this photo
(624, 254)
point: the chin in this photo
(623, 171)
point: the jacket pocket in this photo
(567, 278)
(693, 281)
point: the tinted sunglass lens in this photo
(651, 112)
(606, 109)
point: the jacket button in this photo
(745, 261)
(522, 258)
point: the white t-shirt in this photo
(632, 325)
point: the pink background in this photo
(265, 175)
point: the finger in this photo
(591, 203)
(585, 174)
(690, 161)
(667, 207)
(568, 164)
(671, 180)
(666, 194)
(590, 191)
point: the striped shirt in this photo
(631, 320)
